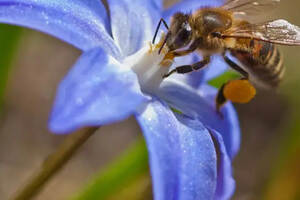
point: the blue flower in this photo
(116, 77)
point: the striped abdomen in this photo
(262, 61)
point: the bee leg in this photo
(189, 68)
(220, 99)
(237, 91)
(236, 67)
(157, 28)
(185, 52)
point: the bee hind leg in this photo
(236, 67)
(220, 99)
(237, 91)
(189, 68)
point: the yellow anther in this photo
(169, 56)
(153, 47)
(239, 91)
(168, 60)
(150, 47)
(161, 41)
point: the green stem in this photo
(53, 164)
(119, 174)
(9, 40)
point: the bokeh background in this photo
(267, 167)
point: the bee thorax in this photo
(212, 45)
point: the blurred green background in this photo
(31, 66)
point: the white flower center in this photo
(150, 66)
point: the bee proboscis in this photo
(229, 29)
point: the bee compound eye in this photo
(184, 35)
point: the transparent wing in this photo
(279, 32)
(250, 9)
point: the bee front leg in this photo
(189, 68)
(183, 52)
(191, 49)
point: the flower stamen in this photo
(150, 66)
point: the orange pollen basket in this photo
(239, 91)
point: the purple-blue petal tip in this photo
(97, 91)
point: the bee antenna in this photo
(163, 44)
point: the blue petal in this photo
(83, 24)
(182, 154)
(216, 67)
(200, 104)
(187, 6)
(158, 4)
(225, 182)
(232, 135)
(97, 91)
(133, 22)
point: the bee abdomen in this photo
(264, 63)
(274, 69)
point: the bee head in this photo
(180, 32)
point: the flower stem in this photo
(53, 164)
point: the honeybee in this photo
(228, 29)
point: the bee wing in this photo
(250, 9)
(279, 32)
